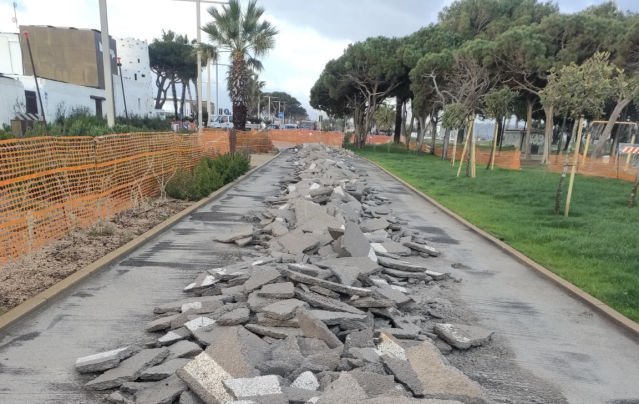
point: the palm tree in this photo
(255, 86)
(241, 33)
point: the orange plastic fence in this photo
(615, 168)
(378, 139)
(285, 138)
(504, 159)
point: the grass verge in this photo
(595, 248)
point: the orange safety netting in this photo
(286, 138)
(615, 168)
(505, 159)
(378, 139)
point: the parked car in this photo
(290, 126)
(272, 127)
(223, 122)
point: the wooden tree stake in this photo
(574, 165)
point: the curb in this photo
(39, 300)
(623, 322)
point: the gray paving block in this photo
(391, 247)
(283, 290)
(296, 242)
(400, 265)
(270, 322)
(392, 294)
(306, 381)
(375, 384)
(261, 277)
(306, 210)
(354, 243)
(345, 390)
(162, 392)
(235, 317)
(162, 323)
(324, 292)
(368, 302)
(284, 309)
(164, 370)
(205, 377)
(360, 339)
(403, 373)
(433, 252)
(174, 336)
(405, 274)
(274, 332)
(103, 361)
(312, 327)
(209, 303)
(236, 234)
(323, 302)
(203, 282)
(463, 336)
(189, 397)
(336, 287)
(184, 349)
(238, 351)
(336, 317)
(299, 396)
(367, 266)
(129, 369)
(256, 303)
(372, 225)
(254, 386)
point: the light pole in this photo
(106, 61)
(126, 112)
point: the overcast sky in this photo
(311, 31)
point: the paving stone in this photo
(367, 266)
(312, 346)
(336, 287)
(400, 265)
(307, 269)
(438, 378)
(184, 349)
(395, 295)
(198, 323)
(189, 397)
(320, 223)
(312, 327)
(274, 332)
(375, 384)
(355, 244)
(306, 381)
(236, 234)
(403, 373)
(103, 361)
(260, 278)
(401, 333)
(405, 274)
(371, 225)
(164, 370)
(336, 317)
(295, 242)
(254, 386)
(209, 303)
(174, 336)
(235, 317)
(129, 369)
(325, 361)
(438, 276)
(368, 302)
(161, 323)
(203, 282)
(324, 291)
(283, 290)
(278, 229)
(284, 309)
(306, 210)
(390, 345)
(238, 351)
(345, 390)
(359, 339)
(287, 350)
(296, 395)
(346, 274)
(243, 241)
(433, 252)
(463, 336)
(256, 303)
(205, 377)
(270, 322)
(323, 302)
(391, 247)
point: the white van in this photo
(223, 122)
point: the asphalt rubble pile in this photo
(327, 312)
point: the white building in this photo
(18, 91)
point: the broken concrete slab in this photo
(463, 336)
(306, 210)
(320, 223)
(271, 322)
(375, 384)
(238, 351)
(203, 282)
(296, 395)
(323, 291)
(284, 309)
(438, 276)
(195, 304)
(174, 336)
(296, 242)
(400, 265)
(390, 345)
(261, 277)
(403, 373)
(354, 243)
(390, 247)
(103, 361)
(313, 327)
(306, 381)
(346, 274)
(395, 295)
(278, 229)
(236, 234)
(235, 317)
(423, 248)
(405, 274)
(336, 317)
(274, 332)
(164, 370)
(184, 349)
(254, 386)
(205, 377)
(367, 266)
(371, 225)
(161, 323)
(283, 290)
(256, 303)
(370, 302)
(198, 323)
(336, 287)
(323, 302)
(189, 397)
(345, 390)
(129, 369)
(438, 378)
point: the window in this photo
(139, 62)
(31, 101)
(143, 75)
(136, 76)
(98, 108)
(139, 104)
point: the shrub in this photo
(231, 166)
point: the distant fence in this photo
(52, 185)
(505, 159)
(614, 167)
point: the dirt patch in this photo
(34, 273)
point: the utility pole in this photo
(35, 78)
(126, 112)
(106, 60)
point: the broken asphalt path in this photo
(546, 345)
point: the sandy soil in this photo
(31, 274)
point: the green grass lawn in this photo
(596, 248)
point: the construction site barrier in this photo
(378, 139)
(287, 138)
(611, 167)
(509, 159)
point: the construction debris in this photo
(329, 311)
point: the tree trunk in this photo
(561, 134)
(529, 107)
(161, 94)
(433, 129)
(545, 158)
(175, 101)
(182, 101)
(238, 91)
(564, 172)
(446, 141)
(633, 194)
(608, 130)
(398, 120)
(421, 133)
(197, 106)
